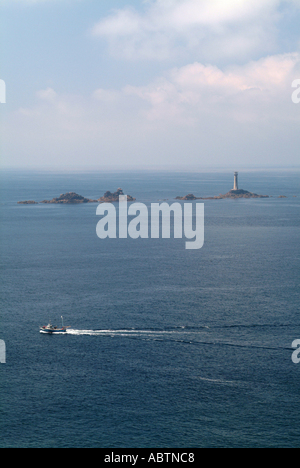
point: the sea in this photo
(166, 347)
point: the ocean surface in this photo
(167, 347)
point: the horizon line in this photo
(154, 168)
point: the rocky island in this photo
(113, 197)
(28, 202)
(73, 198)
(234, 193)
(231, 194)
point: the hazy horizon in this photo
(152, 169)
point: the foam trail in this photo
(177, 335)
(119, 332)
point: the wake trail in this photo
(119, 332)
(179, 335)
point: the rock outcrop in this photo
(70, 198)
(114, 197)
(231, 194)
(27, 202)
(188, 197)
(74, 198)
(242, 194)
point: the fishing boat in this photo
(50, 329)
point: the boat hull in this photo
(53, 332)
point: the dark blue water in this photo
(167, 347)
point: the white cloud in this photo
(249, 92)
(206, 29)
(212, 115)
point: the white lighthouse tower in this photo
(235, 184)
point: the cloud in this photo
(241, 93)
(208, 29)
(195, 114)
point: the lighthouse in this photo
(235, 184)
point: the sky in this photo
(170, 84)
